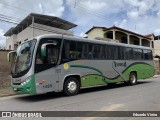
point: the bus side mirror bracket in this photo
(10, 56)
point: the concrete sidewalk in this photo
(156, 76)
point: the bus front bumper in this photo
(27, 88)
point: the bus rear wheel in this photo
(133, 78)
(71, 86)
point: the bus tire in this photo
(71, 86)
(132, 78)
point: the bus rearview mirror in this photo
(10, 56)
(44, 48)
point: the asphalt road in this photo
(145, 96)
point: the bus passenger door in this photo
(46, 77)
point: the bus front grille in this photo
(16, 83)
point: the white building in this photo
(34, 25)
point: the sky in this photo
(140, 16)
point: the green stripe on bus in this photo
(95, 79)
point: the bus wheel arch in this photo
(71, 85)
(133, 78)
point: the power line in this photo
(100, 15)
(82, 9)
(7, 17)
(14, 6)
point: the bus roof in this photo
(80, 39)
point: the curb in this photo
(7, 95)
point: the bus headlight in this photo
(26, 81)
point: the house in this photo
(120, 35)
(34, 25)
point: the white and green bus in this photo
(67, 63)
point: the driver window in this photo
(52, 55)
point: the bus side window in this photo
(84, 51)
(102, 52)
(137, 54)
(147, 55)
(79, 49)
(69, 51)
(73, 50)
(115, 51)
(121, 55)
(129, 53)
(90, 51)
(52, 55)
(96, 54)
(109, 51)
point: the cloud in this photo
(2, 38)
(11, 8)
(82, 34)
(157, 31)
(133, 14)
(37, 6)
(136, 15)
(158, 13)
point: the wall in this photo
(96, 32)
(5, 68)
(157, 66)
(157, 47)
(43, 29)
(11, 41)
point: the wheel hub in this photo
(72, 86)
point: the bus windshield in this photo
(23, 59)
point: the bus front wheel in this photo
(133, 78)
(71, 86)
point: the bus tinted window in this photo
(84, 51)
(137, 53)
(96, 53)
(79, 49)
(103, 52)
(147, 54)
(90, 51)
(129, 53)
(112, 52)
(115, 52)
(121, 53)
(70, 50)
